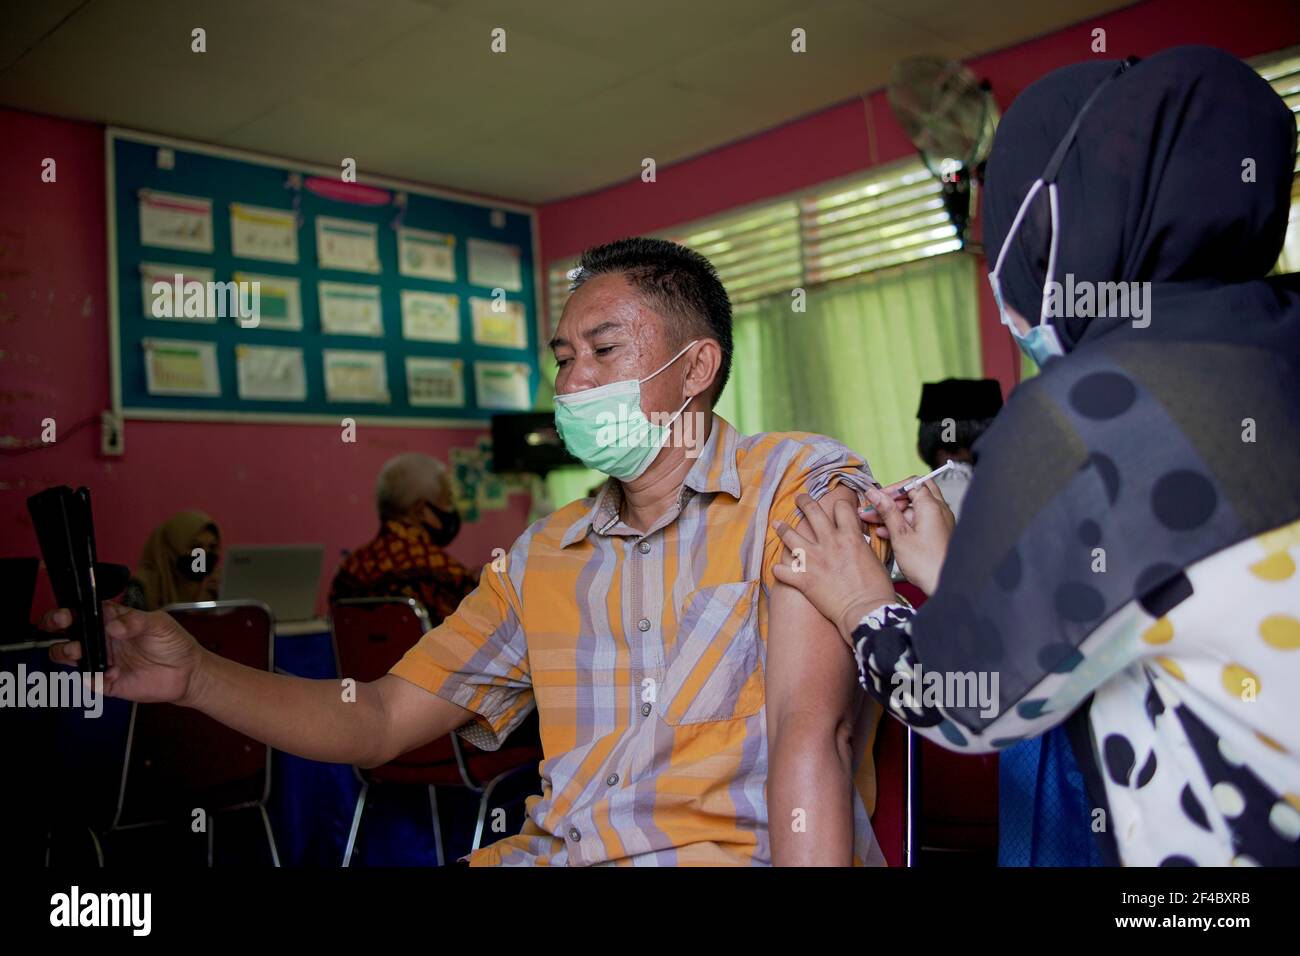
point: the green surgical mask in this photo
(605, 429)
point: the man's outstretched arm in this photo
(810, 686)
(156, 660)
(369, 726)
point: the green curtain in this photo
(849, 366)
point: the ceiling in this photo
(584, 91)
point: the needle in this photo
(915, 483)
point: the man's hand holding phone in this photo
(155, 660)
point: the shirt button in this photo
(643, 624)
(644, 547)
(645, 710)
(574, 834)
(611, 779)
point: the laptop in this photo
(283, 577)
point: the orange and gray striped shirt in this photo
(644, 654)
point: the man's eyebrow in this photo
(591, 333)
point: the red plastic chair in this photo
(370, 636)
(178, 759)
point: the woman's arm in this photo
(889, 671)
(839, 574)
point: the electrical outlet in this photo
(112, 437)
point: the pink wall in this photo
(278, 483)
(265, 484)
(834, 142)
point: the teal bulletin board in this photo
(377, 300)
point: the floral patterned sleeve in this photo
(889, 671)
(445, 584)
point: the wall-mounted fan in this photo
(950, 117)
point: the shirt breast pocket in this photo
(715, 671)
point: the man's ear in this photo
(704, 367)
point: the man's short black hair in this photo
(680, 283)
(929, 437)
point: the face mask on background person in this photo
(586, 419)
(448, 527)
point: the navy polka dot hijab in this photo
(1155, 441)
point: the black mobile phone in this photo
(66, 532)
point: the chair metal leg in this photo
(912, 804)
(486, 798)
(356, 824)
(437, 825)
(270, 836)
(461, 764)
(126, 767)
(94, 841)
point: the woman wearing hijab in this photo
(178, 564)
(1126, 559)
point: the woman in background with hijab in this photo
(178, 564)
(1126, 559)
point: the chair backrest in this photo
(523, 748)
(179, 759)
(370, 636)
(17, 589)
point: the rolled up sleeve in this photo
(478, 659)
(819, 465)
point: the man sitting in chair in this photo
(693, 709)
(417, 520)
